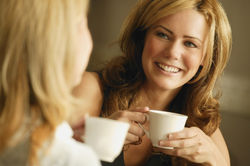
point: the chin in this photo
(76, 82)
(168, 85)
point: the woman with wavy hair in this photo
(173, 53)
(44, 49)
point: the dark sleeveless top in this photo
(154, 160)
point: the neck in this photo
(156, 98)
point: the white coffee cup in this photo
(162, 123)
(105, 136)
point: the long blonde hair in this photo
(37, 47)
(124, 75)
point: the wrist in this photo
(217, 160)
(211, 163)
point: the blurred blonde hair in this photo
(37, 47)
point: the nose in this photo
(174, 50)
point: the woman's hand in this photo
(192, 144)
(78, 130)
(133, 117)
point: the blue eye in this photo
(190, 44)
(162, 35)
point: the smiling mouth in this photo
(169, 69)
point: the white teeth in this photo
(168, 68)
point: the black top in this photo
(154, 160)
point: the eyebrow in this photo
(191, 37)
(168, 30)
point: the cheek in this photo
(147, 53)
(152, 49)
(85, 47)
(153, 46)
(193, 62)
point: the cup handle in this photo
(146, 131)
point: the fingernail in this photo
(161, 143)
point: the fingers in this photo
(136, 130)
(180, 143)
(140, 109)
(128, 116)
(78, 130)
(78, 133)
(193, 153)
(131, 138)
(137, 115)
(183, 139)
(133, 116)
(78, 136)
(190, 143)
(185, 133)
(177, 152)
(134, 134)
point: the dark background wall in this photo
(105, 20)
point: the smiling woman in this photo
(174, 51)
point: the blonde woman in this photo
(44, 49)
(174, 51)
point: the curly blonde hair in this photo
(37, 46)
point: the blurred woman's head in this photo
(45, 46)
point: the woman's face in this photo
(174, 49)
(84, 48)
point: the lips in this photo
(167, 68)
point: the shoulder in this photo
(217, 135)
(219, 141)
